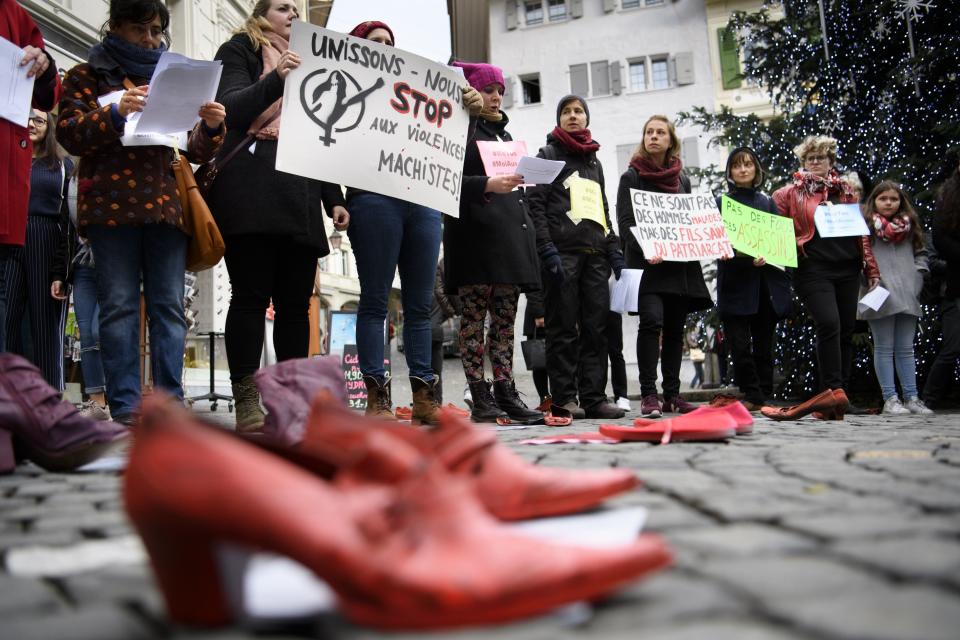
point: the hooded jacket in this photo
(739, 282)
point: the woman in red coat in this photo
(16, 152)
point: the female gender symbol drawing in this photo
(328, 102)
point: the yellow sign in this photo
(586, 201)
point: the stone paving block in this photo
(712, 629)
(81, 496)
(13, 540)
(871, 525)
(917, 557)
(99, 622)
(116, 585)
(92, 520)
(914, 613)
(42, 489)
(729, 505)
(26, 596)
(29, 513)
(745, 539)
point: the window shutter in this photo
(579, 83)
(616, 84)
(507, 101)
(729, 59)
(690, 152)
(684, 68)
(609, 5)
(600, 72)
(576, 8)
(511, 7)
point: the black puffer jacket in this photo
(249, 195)
(674, 278)
(493, 241)
(549, 204)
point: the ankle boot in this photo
(508, 400)
(37, 425)
(287, 388)
(246, 401)
(485, 407)
(379, 403)
(426, 409)
(822, 402)
(419, 553)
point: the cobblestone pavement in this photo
(802, 530)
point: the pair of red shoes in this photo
(706, 423)
(830, 404)
(404, 525)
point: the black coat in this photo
(249, 196)
(947, 242)
(493, 241)
(739, 282)
(550, 203)
(675, 278)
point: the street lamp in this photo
(336, 239)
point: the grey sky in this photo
(419, 26)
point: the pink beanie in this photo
(481, 74)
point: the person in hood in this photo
(751, 294)
(490, 256)
(577, 255)
(668, 290)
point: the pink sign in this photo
(501, 158)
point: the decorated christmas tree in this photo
(881, 78)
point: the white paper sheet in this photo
(874, 299)
(131, 138)
(625, 291)
(840, 220)
(16, 89)
(538, 170)
(178, 88)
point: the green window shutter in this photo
(729, 59)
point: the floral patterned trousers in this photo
(500, 300)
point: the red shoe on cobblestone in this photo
(824, 403)
(737, 411)
(37, 425)
(698, 427)
(418, 553)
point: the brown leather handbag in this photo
(206, 244)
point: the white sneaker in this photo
(90, 409)
(893, 406)
(915, 405)
(624, 403)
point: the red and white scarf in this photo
(892, 229)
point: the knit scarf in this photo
(491, 115)
(578, 142)
(665, 179)
(892, 229)
(266, 126)
(134, 60)
(810, 184)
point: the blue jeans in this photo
(893, 347)
(87, 310)
(122, 253)
(389, 234)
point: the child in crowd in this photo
(900, 250)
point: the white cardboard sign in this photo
(679, 227)
(840, 220)
(365, 115)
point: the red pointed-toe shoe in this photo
(823, 402)
(35, 424)
(417, 554)
(698, 427)
(509, 487)
(734, 409)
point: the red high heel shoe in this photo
(509, 487)
(419, 554)
(822, 402)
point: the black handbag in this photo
(534, 352)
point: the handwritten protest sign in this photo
(586, 200)
(760, 234)
(839, 220)
(679, 227)
(374, 117)
(501, 158)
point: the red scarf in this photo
(579, 142)
(665, 179)
(811, 184)
(893, 229)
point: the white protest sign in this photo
(679, 227)
(366, 115)
(839, 220)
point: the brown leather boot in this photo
(822, 402)
(379, 404)
(426, 409)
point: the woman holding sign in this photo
(127, 202)
(668, 290)
(272, 222)
(490, 256)
(828, 273)
(577, 249)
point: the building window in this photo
(579, 79)
(633, 4)
(531, 88)
(557, 10)
(323, 264)
(652, 3)
(638, 74)
(659, 73)
(344, 263)
(533, 12)
(600, 78)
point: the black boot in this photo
(508, 399)
(485, 408)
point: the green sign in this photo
(760, 234)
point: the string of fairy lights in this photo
(883, 80)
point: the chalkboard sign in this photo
(343, 339)
(353, 378)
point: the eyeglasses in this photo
(38, 122)
(816, 159)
